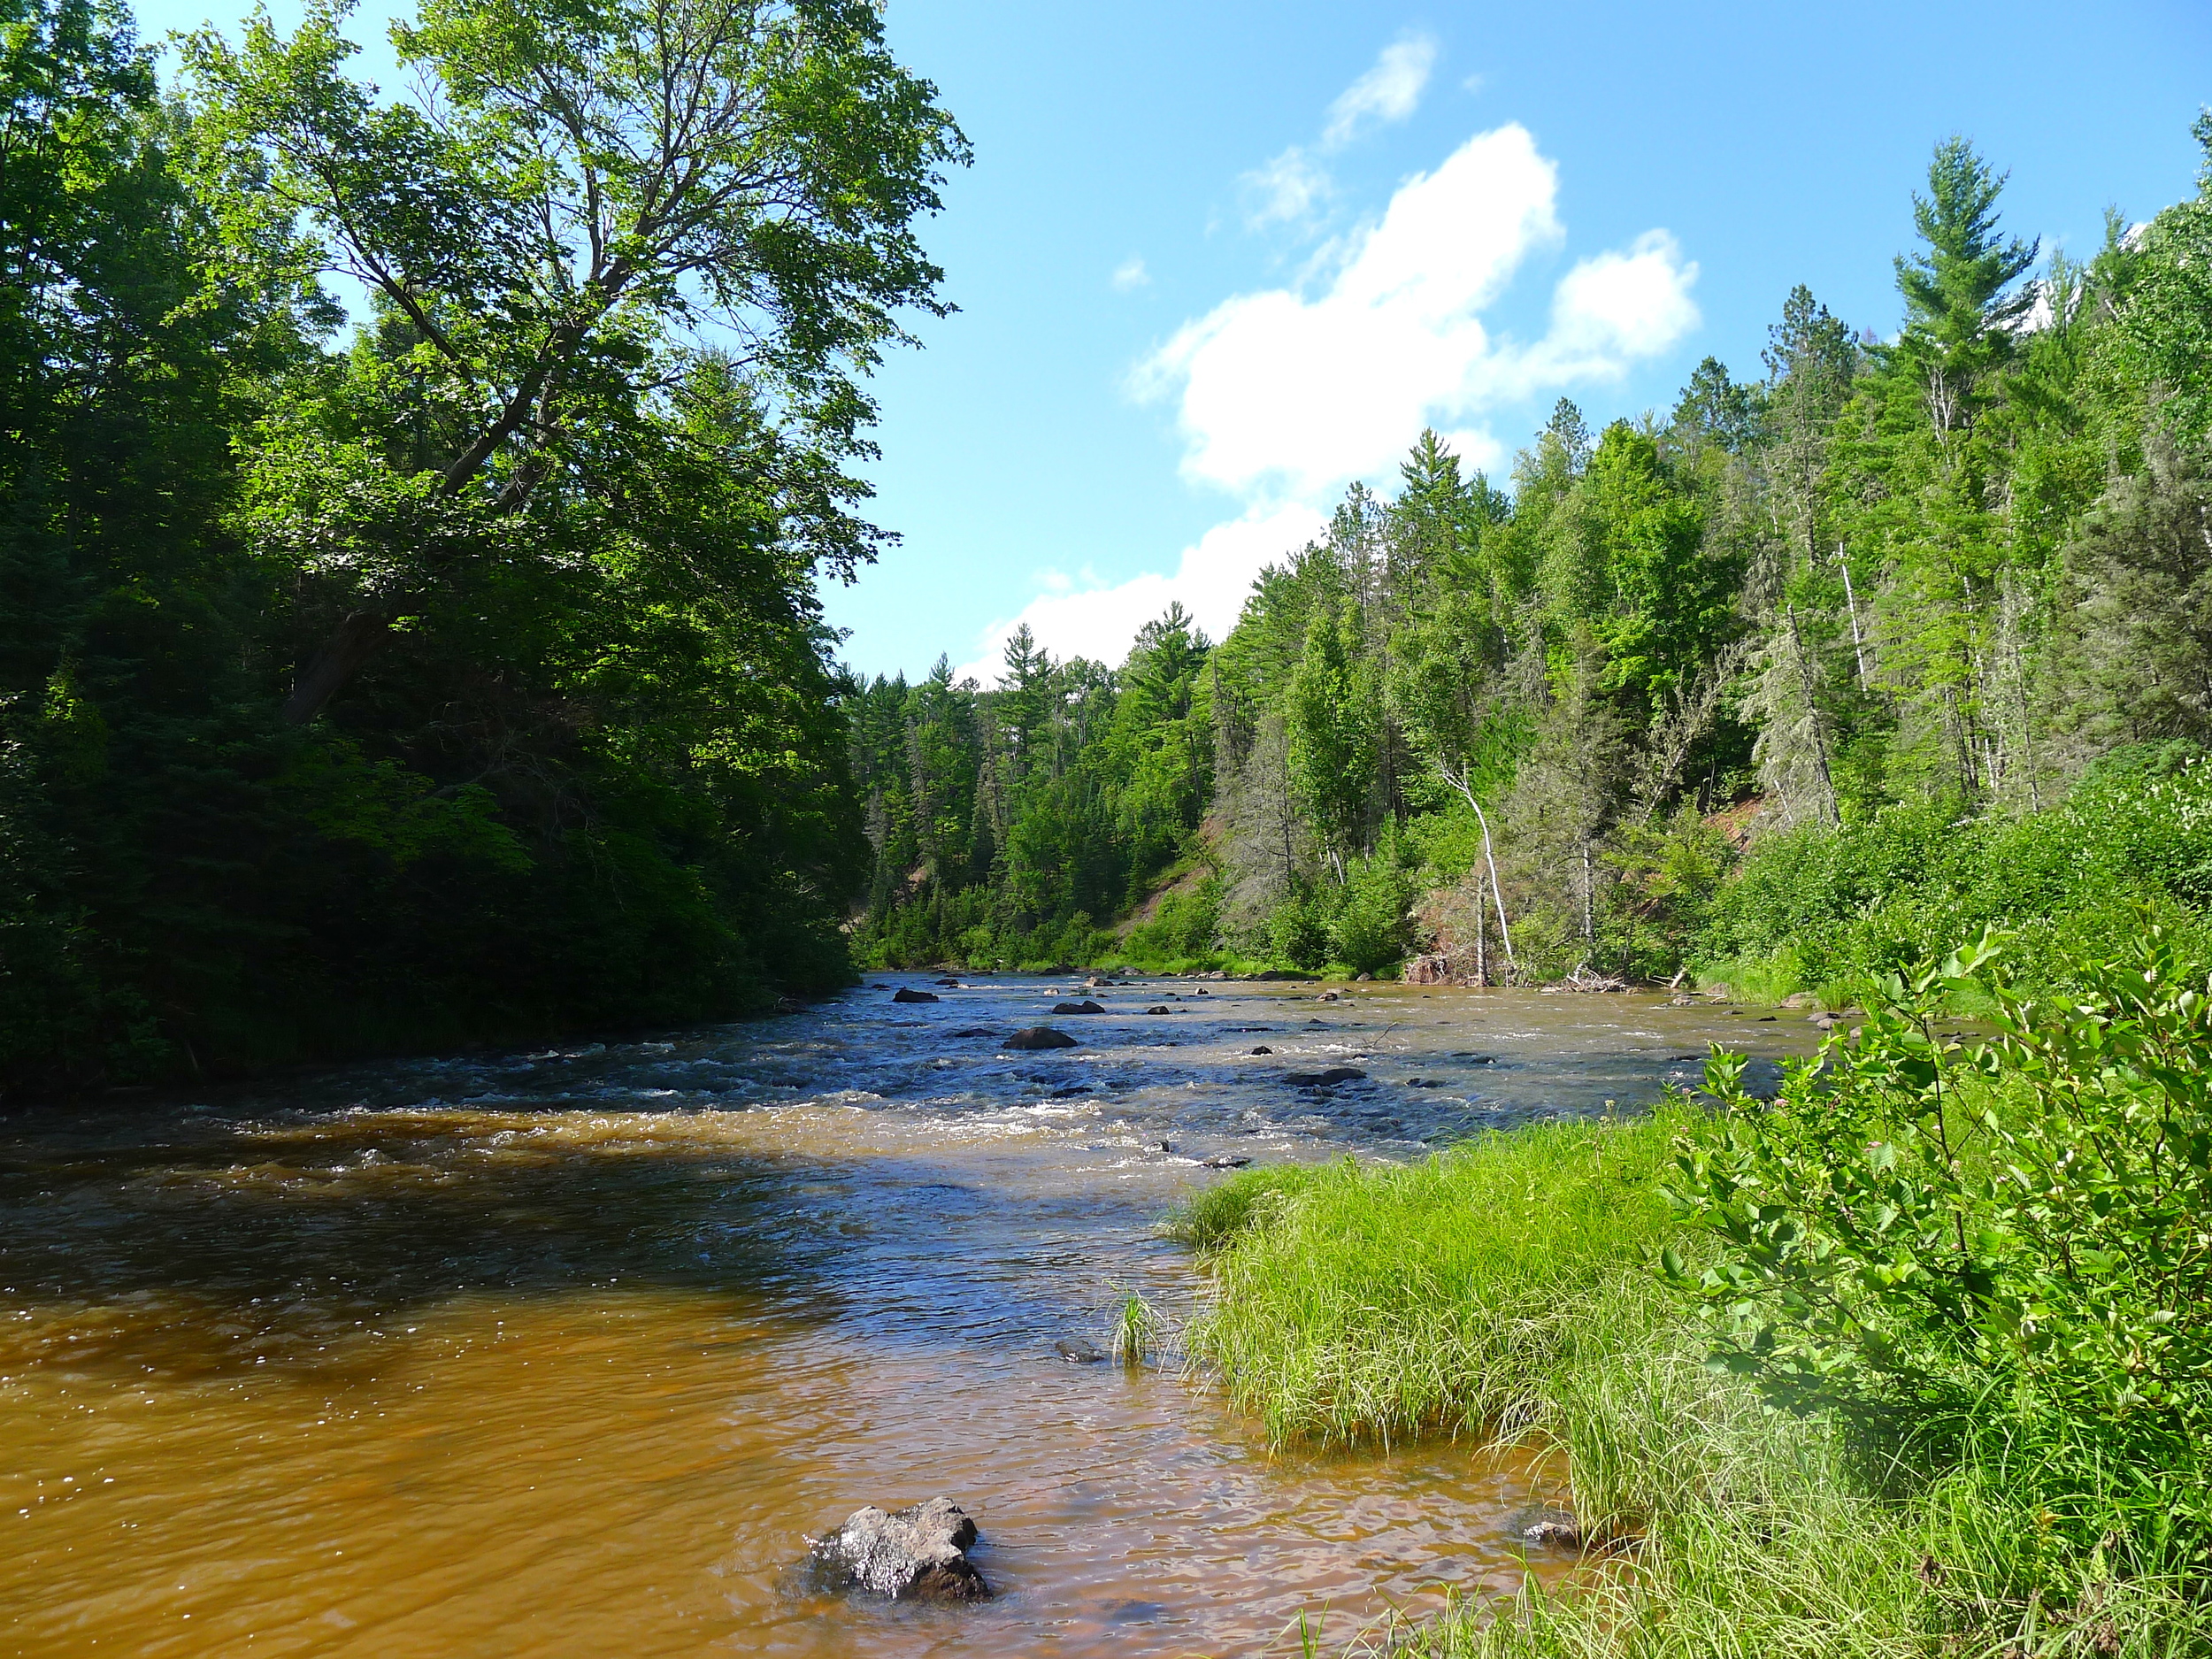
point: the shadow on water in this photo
(237, 1238)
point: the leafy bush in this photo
(1186, 924)
(1965, 1245)
(1868, 900)
(1298, 929)
(1372, 927)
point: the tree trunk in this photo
(1482, 938)
(1812, 714)
(357, 637)
(351, 644)
(1851, 603)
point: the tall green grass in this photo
(1369, 1304)
(1501, 1289)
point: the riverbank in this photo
(1538, 1289)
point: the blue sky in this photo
(1214, 261)
(1771, 143)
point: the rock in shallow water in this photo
(1041, 1037)
(1329, 1079)
(907, 993)
(917, 1554)
(1076, 1351)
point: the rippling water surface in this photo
(565, 1353)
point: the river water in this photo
(565, 1353)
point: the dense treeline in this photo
(1883, 610)
(457, 672)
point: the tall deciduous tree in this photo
(575, 187)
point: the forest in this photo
(409, 631)
(1827, 668)
(418, 509)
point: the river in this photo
(566, 1352)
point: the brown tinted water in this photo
(567, 1353)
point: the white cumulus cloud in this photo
(1390, 91)
(1098, 620)
(1284, 395)
(1292, 390)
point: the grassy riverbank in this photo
(1928, 1490)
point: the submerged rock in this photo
(1076, 1351)
(917, 1554)
(1041, 1037)
(1560, 1532)
(1329, 1079)
(907, 993)
(1227, 1161)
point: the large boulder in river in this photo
(907, 993)
(1041, 1037)
(917, 1554)
(1084, 1007)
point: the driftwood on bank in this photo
(1444, 967)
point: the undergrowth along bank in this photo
(1912, 1361)
(1832, 910)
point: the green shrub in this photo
(1186, 926)
(1851, 905)
(1298, 928)
(1952, 1244)
(2037, 1494)
(1372, 927)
